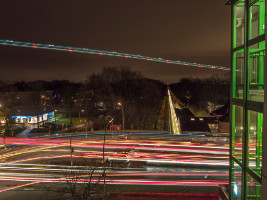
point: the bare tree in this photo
(84, 180)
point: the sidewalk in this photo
(25, 133)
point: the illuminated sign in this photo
(14, 117)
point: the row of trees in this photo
(99, 96)
(141, 98)
(199, 93)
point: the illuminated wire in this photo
(107, 53)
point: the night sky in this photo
(194, 31)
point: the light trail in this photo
(30, 161)
(17, 186)
(207, 149)
(11, 140)
(24, 151)
(106, 53)
(139, 157)
(191, 150)
(118, 173)
(126, 181)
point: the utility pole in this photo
(106, 125)
(120, 104)
(50, 128)
(55, 117)
(71, 151)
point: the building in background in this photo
(189, 123)
(247, 99)
(31, 118)
(222, 114)
(29, 107)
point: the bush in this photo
(13, 132)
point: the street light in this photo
(119, 104)
(55, 117)
(106, 126)
(71, 151)
(80, 114)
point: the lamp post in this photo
(55, 117)
(80, 114)
(71, 151)
(120, 104)
(106, 126)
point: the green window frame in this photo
(238, 24)
(237, 132)
(238, 74)
(259, 25)
(255, 125)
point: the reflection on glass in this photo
(254, 13)
(253, 189)
(238, 132)
(256, 74)
(240, 24)
(237, 182)
(255, 141)
(239, 71)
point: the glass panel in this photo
(238, 83)
(256, 73)
(237, 182)
(257, 18)
(254, 17)
(238, 132)
(239, 25)
(255, 141)
(253, 189)
(254, 46)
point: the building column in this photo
(264, 135)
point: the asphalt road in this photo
(135, 163)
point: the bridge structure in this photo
(106, 53)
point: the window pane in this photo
(240, 25)
(253, 189)
(239, 76)
(238, 132)
(237, 182)
(256, 73)
(254, 16)
(255, 141)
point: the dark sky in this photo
(194, 31)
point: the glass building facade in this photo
(247, 98)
